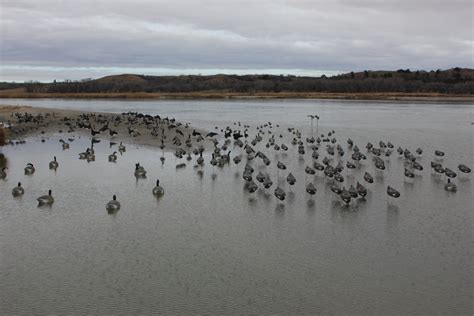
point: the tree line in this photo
(452, 81)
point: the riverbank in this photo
(424, 97)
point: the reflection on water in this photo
(207, 246)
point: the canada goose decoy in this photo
(121, 147)
(18, 190)
(417, 166)
(113, 205)
(311, 189)
(251, 186)
(309, 170)
(449, 186)
(338, 177)
(392, 192)
(449, 173)
(335, 188)
(353, 191)
(200, 160)
(158, 190)
(345, 196)
(464, 168)
(361, 190)
(280, 194)
(3, 173)
(267, 183)
(84, 155)
(368, 177)
(54, 164)
(291, 179)
(64, 144)
(140, 172)
(409, 174)
(260, 177)
(439, 153)
(29, 169)
(46, 199)
(113, 157)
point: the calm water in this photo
(207, 246)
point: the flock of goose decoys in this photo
(327, 154)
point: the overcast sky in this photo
(74, 39)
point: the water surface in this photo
(208, 246)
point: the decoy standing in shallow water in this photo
(18, 190)
(45, 199)
(113, 205)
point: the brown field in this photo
(20, 93)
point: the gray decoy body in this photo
(158, 190)
(18, 190)
(29, 169)
(113, 205)
(53, 164)
(46, 199)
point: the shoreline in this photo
(53, 122)
(422, 97)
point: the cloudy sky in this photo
(66, 39)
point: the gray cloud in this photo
(257, 35)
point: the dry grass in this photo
(21, 93)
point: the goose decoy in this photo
(311, 189)
(260, 177)
(361, 190)
(113, 157)
(280, 194)
(29, 169)
(140, 172)
(281, 165)
(158, 190)
(392, 192)
(338, 177)
(54, 164)
(350, 165)
(449, 173)
(318, 166)
(251, 186)
(200, 160)
(345, 196)
(84, 155)
(353, 191)
(3, 173)
(291, 179)
(18, 190)
(46, 199)
(335, 188)
(409, 173)
(464, 168)
(417, 166)
(449, 186)
(113, 205)
(309, 170)
(267, 183)
(121, 147)
(368, 177)
(64, 144)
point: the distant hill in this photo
(450, 81)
